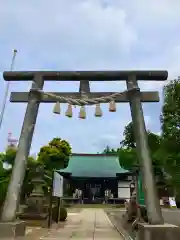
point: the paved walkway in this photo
(89, 224)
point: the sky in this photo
(86, 35)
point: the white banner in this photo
(57, 185)
(172, 201)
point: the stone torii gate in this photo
(36, 96)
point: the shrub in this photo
(54, 213)
(63, 214)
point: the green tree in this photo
(55, 155)
(170, 119)
(127, 158)
(9, 156)
(27, 186)
(1, 168)
(127, 152)
(5, 158)
(4, 180)
(109, 150)
(129, 140)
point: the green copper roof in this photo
(93, 165)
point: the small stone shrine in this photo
(36, 211)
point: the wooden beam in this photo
(84, 86)
(86, 75)
(22, 97)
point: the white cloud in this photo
(73, 29)
(85, 34)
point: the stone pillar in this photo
(151, 199)
(36, 200)
(19, 169)
(156, 232)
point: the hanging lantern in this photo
(82, 113)
(98, 111)
(69, 112)
(57, 109)
(112, 106)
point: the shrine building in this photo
(94, 174)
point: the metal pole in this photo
(7, 90)
(137, 196)
(59, 210)
(50, 202)
(19, 168)
(136, 187)
(151, 199)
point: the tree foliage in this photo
(30, 173)
(8, 156)
(55, 155)
(127, 158)
(1, 167)
(127, 152)
(170, 119)
(129, 140)
(109, 150)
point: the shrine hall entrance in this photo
(93, 190)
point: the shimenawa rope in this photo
(84, 100)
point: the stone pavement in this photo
(89, 224)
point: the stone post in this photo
(19, 169)
(156, 232)
(151, 199)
